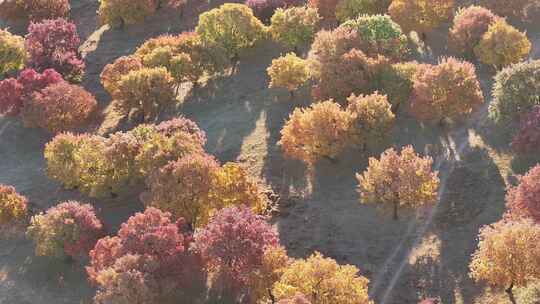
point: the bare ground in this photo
(422, 254)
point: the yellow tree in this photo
(400, 179)
(421, 16)
(508, 255)
(288, 72)
(323, 281)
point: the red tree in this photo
(527, 140)
(524, 199)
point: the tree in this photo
(527, 140)
(397, 81)
(503, 8)
(523, 200)
(69, 229)
(507, 255)
(60, 157)
(147, 90)
(421, 16)
(515, 92)
(118, 13)
(232, 246)
(379, 35)
(469, 26)
(12, 53)
(264, 9)
(34, 10)
(13, 206)
(320, 131)
(148, 260)
(323, 281)
(231, 26)
(296, 299)
(294, 27)
(288, 72)
(274, 262)
(325, 8)
(399, 178)
(372, 118)
(54, 44)
(502, 45)
(350, 9)
(59, 107)
(183, 188)
(448, 90)
(113, 72)
(16, 93)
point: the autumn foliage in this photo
(12, 53)
(527, 140)
(146, 262)
(118, 13)
(34, 10)
(54, 44)
(469, 26)
(502, 45)
(232, 246)
(68, 229)
(399, 178)
(507, 254)
(322, 281)
(421, 16)
(523, 200)
(13, 206)
(515, 92)
(294, 27)
(516, 8)
(232, 27)
(289, 72)
(320, 131)
(296, 299)
(113, 72)
(325, 8)
(59, 107)
(448, 90)
(350, 9)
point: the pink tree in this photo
(523, 200)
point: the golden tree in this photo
(323, 281)
(508, 255)
(421, 16)
(400, 179)
(288, 72)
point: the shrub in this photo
(527, 140)
(13, 206)
(502, 45)
(233, 244)
(297, 299)
(113, 72)
(288, 72)
(379, 35)
(294, 27)
(12, 53)
(34, 10)
(515, 8)
(323, 281)
(447, 90)
(18, 92)
(372, 118)
(54, 44)
(68, 229)
(147, 260)
(320, 131)
(399, 178)
(264, 9)
(118, 13)
(524, 199)
(350, 9)
(147, 90)
(421, 16)
(470, 25)
(231, 26)
(60, 107)
(495, 262)
(515, 92)
(183, 188)
(325, 8)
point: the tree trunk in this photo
(291, 94)
(510, 293)
(423, 36)
(396, 203)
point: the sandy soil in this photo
(422, 254)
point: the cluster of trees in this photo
(325, 129)
(34, 10)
